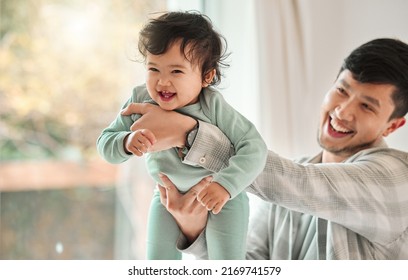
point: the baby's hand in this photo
(213, 197)
(139, 142)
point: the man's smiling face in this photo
(355, 116)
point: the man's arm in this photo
(211, 149)
(349, 193)
(169, 127)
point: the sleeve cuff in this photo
(205, 153)
(198, 248)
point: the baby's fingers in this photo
(218, 207)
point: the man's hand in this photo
(213, 197)
(169, 127)
(189, 214)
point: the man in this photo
(348, 202)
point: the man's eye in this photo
(367, 107)
(341, 90)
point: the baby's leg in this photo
(227, 231)
(162, 232)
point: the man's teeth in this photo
(339, 128)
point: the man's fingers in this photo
(163, 195)
(172, 193)
(173, 196)
(132, 108)
(163, 192)
(136, 108)
(171, 190)
(166, 181)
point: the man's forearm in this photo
(169, 127)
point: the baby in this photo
(183, 55)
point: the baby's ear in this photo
(208, 78)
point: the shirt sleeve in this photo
(239, 170)
(198, 248)
(211, 149)
(370, 186)
(257, 241)
(259, 232)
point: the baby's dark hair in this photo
(382, 61)
(207, 48)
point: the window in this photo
(67, 66)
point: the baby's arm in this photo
(243, 167)
(111, 144)
(213, 197)
(139, 142)
(250, 149)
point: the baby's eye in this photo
(153, 69)
(177, 71)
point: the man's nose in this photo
(346, 111)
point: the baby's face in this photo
(173, 81)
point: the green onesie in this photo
(226, 232)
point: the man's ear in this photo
(208, 78)
(394, 125)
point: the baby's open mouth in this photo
(166, 95)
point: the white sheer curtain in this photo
(282, 73)
(301, 47)
(268, 78)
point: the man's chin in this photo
(345, 151)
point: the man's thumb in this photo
(132, 108)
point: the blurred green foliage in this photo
(65, 68)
